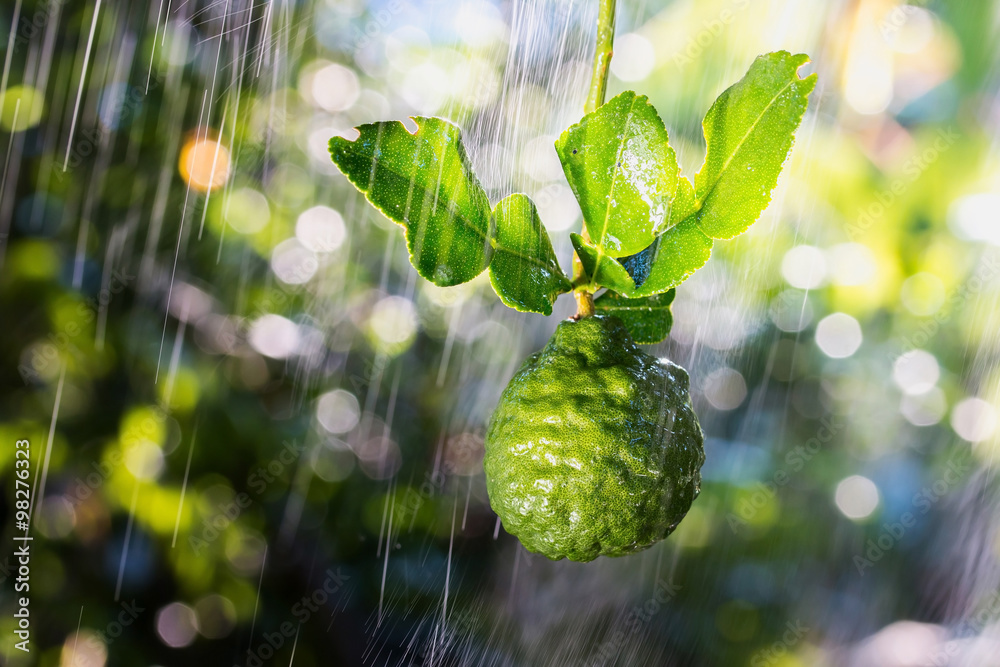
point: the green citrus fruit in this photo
(594, 449)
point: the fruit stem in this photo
(602, 56)
(584, 304)
(595, 98)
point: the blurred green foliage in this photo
(320, 408)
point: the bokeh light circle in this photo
(838, 335)
(856, 497)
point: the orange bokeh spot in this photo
(204, 164)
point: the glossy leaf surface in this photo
(525, 272)
(749, 132)
(424, 182)
(623, 172)
(648, 319)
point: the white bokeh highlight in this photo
(634, 58)
(916, 372)
(321, 229)
(177, 625)
(393, 320)
(274, 336)
(856, 497)
(974, 419)
(335, 88)
(973, 217)
(838, 335)
(338, 411)
(804, 267)
(293, 263)
(924, 409)
(725, 388)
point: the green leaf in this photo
(525, 272)
(640, 265)
(603, 271)
(424, 182)
(676, 254)
(685, 203)
(623, 172)
(749, 132)
(647, 319)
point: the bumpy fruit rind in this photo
(594, 448)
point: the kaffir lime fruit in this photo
(594, 449)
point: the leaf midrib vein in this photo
(450, 204)
(739, 146)
(528, 258)
(644, 308)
